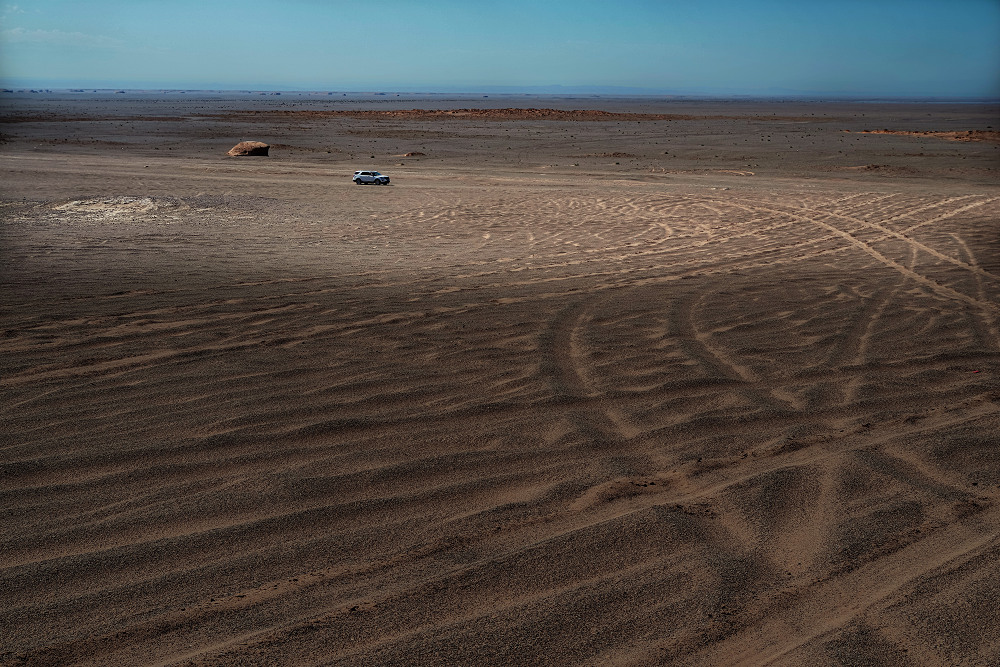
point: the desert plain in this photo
(593, 381)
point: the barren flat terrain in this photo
(681, 382)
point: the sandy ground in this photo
(714, 389)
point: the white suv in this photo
(372, 177)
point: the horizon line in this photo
(486, 91)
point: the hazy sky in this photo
(865, 47)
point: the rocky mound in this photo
(249, 148)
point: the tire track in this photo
(695, 344)
(991, 335)
(944, 290)
(830, 605)
(562, 527)
(974, 268)
(855, 337)
(564, 361)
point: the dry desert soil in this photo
(594, 381)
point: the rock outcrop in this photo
(249, 148)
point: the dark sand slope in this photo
(255, 415)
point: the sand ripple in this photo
(613, 425)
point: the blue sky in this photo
(943, 48)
